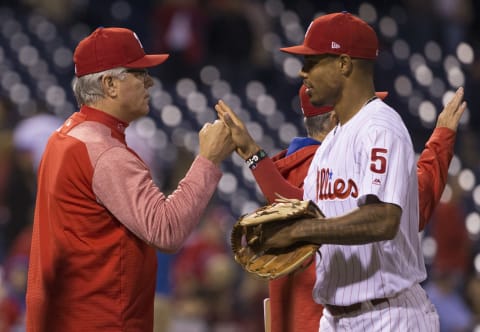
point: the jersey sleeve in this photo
(271, 182)
(123, 184)
(432, 170)
(387, 162)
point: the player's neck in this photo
(349, 106)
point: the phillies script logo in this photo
(334, 189)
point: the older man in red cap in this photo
(99, 215)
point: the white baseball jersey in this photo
(371, 154)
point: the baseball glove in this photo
(272, 263)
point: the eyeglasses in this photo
(141, 74)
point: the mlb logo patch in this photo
(335, 45)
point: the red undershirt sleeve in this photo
(271, 182)
(432, 171)
(123, 184)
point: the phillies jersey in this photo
(371, 154)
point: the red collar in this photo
(117, 126)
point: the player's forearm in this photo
(369, 223)
(271, 182)
(432, 171)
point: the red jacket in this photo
(98, 218)
(292, 307)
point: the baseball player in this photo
(291, 304)
(364, 180)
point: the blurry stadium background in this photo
(228, 49)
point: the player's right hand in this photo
(452, 112)
(245, 144)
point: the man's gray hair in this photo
(88, 89)
(318, 124)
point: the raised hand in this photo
(215, 141)
(452, 112)
(245, 144)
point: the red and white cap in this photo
(338, 33)
(108, 48)
(309, 110)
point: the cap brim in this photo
(299, 49)
(381, 94)
(149, 60)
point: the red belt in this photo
(338, 310)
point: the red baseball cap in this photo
(108, 48)
(338, 33)
(309, 110)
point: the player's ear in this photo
(334, 118)
(345, 64)
(109, 86)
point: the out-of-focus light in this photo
(446, 194)
(472, 224)
(456, 77)
(249, 206)
(255, 129)
(450, 62)
(18, 40)
(271, 41)
(28, 55)
(429, 247)
(388, 27)
(427, 112)
(19, 93)
(287, 132)
(465, 53)
(228, 183)
(415, 61)
(197, 102)
(209, 74)
(437, 88)
(466, 179)
(10, 27)
(121, 10)
(367, 12)
(185, 86)
(276, 120)
(455, 166)
(414, 104)
(401, 49)
(44, 30)
(56, 95)
(159, 140)
(447, 96)
(190, 141)
(274, 8)
(145, 127)
(220, 89)
(266, 105)
(476, 195)
(403, 86)
(171, 115)
(62, 57)
(423, 75)
(433, 52)
(292, 67)
(476, 263)
(254, 90)
(160, 99)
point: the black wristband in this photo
(254, 159)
